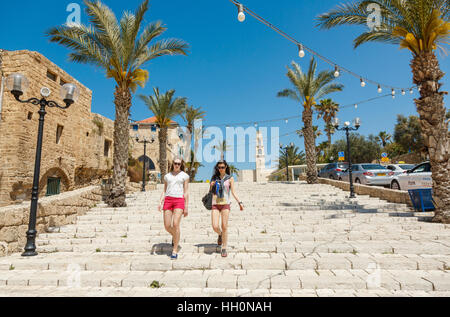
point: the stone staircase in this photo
(292, 240)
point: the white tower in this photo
(260, 158)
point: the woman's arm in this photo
(233, 192)
(163, 194)
(186, 197)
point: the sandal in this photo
(174, 256)
(224, 253)
(219, 240)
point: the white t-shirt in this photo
(175, 184)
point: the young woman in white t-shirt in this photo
(174, 201)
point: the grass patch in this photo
(354, 252)
(11, 267)
(156, 284)
(98, 250)
(125, 236)
(264, 231)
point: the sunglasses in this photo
(221, 167)
(177, 164)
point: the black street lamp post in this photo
(144, 141)
(286, 148)
(347, 128)
(17, 84)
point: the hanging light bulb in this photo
(393, 94)
(336, 72)
(403, 92)
(241, 14)
(301, 52)
(356, 106)
(287, 121)
(379, 89)
(411, 91)
(363, 83)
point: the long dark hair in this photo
(216, 172)
(182, 167)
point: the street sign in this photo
(384, 155)
(384, 159)
(341, 156)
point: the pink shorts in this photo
(171, 203)
(221, 207)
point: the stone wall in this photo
(53, 211)
(78, 158)
(390, 195)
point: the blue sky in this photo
(234, 70)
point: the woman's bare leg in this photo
(168, 215)
(177, 215)
(215, 219)
(225, 216)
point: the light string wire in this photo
(323, 58)
(358, 103)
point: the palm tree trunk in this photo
(163, 151)
(329, 142)
(122, 102)
(430, 106)
(310, 146)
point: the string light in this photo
(241, 14)
(336, 72)
(411, 91)
(305, 48)
(379, 89)
(363, 83)
(301, 52)
(287, 121)
(403, 92)
(356, 106)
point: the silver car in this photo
(369, 174)
(333, 170)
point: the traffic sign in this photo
(384, 155)
(341, 154)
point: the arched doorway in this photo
(149, 165)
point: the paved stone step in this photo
(52, 291)
(428, 281)
(211, 260)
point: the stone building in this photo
(148, 129)
(77, 144)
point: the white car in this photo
(418, 177)
(400, 168)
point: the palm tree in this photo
(293, 157)
(233, 169)
(383, 137)
(193, 167)
(116, 48)
(421, 26)
(222, 148)
(165, 107)
(191, 115)
(317, 132)
(308, 87)
(327, 110)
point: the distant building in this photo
(148, 129)
(260, 174)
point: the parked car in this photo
(369, 174)
(415, 178)
(400, 168)
(333, 170)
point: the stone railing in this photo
(53, 211)
(390, 195)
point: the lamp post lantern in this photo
(347, 128)
(144, 141)
(17, 84)
(286, 148)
